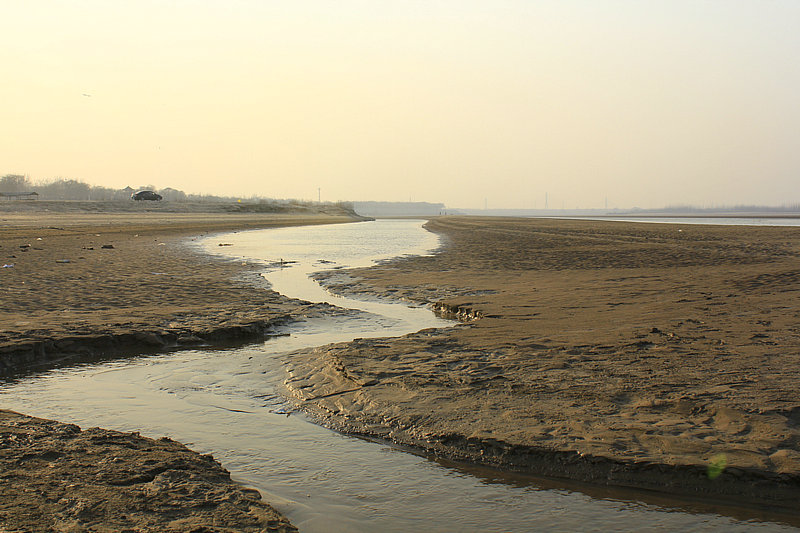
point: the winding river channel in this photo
(226, 402)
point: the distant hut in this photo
(20, 195)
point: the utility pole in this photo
(319, 195)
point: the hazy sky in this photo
(646, 103)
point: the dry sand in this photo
(661, 356)
(92, 281)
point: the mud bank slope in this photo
(654, 356)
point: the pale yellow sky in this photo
(461, 102)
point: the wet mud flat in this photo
(659, 357)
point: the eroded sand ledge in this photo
(616, 353)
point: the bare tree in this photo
(15, 183)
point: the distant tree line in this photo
(76, 190)
(62, 189)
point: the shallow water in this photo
(225, 402)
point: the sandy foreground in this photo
(651, 356)
(661, 357)
(56, 477)
(83, 286)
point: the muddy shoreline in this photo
(619, 354)
(84, 283)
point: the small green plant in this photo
(717, 465)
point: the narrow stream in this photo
(225, 402)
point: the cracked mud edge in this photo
(43, 354)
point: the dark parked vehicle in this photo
(145, 195)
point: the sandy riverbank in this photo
(85, 284)
(661, 357)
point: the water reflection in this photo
(630, 498)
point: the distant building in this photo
(20, 195)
